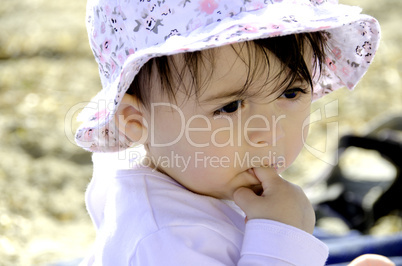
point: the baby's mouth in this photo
(251, 172)
(257, 189)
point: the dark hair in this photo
(289, 50)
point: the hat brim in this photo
(352, 42)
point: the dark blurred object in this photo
(345, 195)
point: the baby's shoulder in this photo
(163, 202)
(141, 204)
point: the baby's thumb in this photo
(243, 197)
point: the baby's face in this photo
(210, 144)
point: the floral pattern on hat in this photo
(124, 34)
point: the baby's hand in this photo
(371, 260)
(280, 201)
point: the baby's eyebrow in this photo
(242, 92)
(223, 95)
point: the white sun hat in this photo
(125, 34)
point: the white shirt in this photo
(146, 218)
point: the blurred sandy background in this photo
(46, 68)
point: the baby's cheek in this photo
(197, 138)
(305, 124)
(305, 132)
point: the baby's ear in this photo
(130, 119)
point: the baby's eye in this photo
(229, 108)
(293, 93)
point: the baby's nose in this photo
(261, 131)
